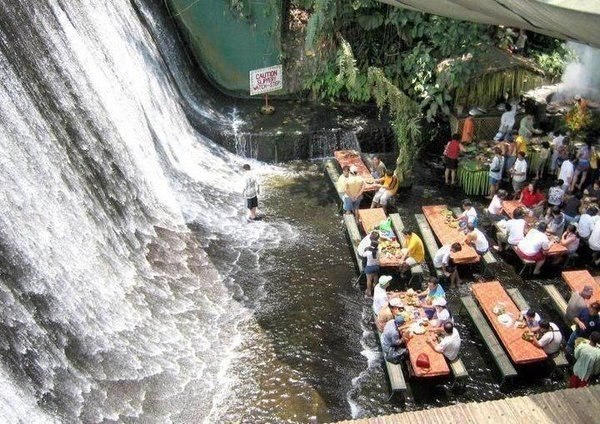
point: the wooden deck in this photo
(562, 406)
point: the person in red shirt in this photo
(451, 153)
(533, 198)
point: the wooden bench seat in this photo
(558, 301)
(332, 170)
(428, 240)
(458, 369)
(395, 374)
(559, 360)
(416, 270)
(505, 366)
(526, 262)
(355, 238)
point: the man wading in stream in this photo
(250, 192)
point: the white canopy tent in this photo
(577, 20)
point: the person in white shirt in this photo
(532, 319)
(556, 193)
(534, 246)
(519, 173)
(477, 240)
(494, 210)
(594, 243)
(450, 344)
(250, 192)
(366, 242)
(586, 222)
(469, 215)
(511, 231)
(507, 121)
(551, 337)
(442, 261)
(380, 295)
(567, 170)
(441, 314)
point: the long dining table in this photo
(509, 207)
(448, 234)
(389, 247)
(576, 280)
(418, 343)
(490, 295)
(352, 157)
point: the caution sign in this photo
(265, 80)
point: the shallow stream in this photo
(323, 357)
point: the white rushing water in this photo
(110, 307)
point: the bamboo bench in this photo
(428, 240)
(416, 270)
(559, 360)
(395, 374)
(355, 238)
(504, 364)
(558, 301)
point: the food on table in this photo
(527, 335)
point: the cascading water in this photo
(110, 308)
(323, 144)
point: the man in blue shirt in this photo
(587, 321)
(392, 344)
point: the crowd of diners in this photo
(392, 320)
(565, 213)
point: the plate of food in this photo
(417, 328)
(527, 335)
(521, 324)
(505, 319)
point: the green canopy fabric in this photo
(577, 20)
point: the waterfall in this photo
(324, 143)
(111, 309)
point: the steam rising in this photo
(581, 76)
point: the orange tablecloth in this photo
(509, 207)
(448, 235)
(519, 350)
(369, 219)
(577, 279)
(417, 345)
(351, 157)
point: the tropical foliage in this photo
(374, 51)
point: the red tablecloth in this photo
(577, 279)
(352, 157)
(519, 350)
(448, 235)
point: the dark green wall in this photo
(229, 38)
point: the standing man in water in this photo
(250, 192)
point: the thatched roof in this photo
(493, 60)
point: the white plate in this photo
(504, 319)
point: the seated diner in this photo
(534, 246)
